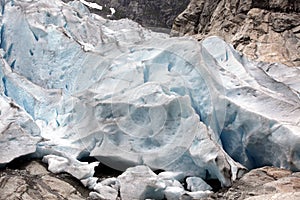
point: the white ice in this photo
(128, 96)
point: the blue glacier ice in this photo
(127, 96)
(19, 134)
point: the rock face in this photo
(35, 182)
(150, 13)
(264, 183)
(266, 30)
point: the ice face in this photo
(19, 134)
(262, 120)
(127, 96)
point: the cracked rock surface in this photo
(35, 182)
(266, 30)
(263, 183)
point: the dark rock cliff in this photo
(149, 13)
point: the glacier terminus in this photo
(76, 85)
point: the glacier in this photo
(127, 96)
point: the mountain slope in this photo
(266, 30)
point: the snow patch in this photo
(91, 5)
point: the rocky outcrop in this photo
(35, 182)
(267, 30)
(150, 13)
(263, 183)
